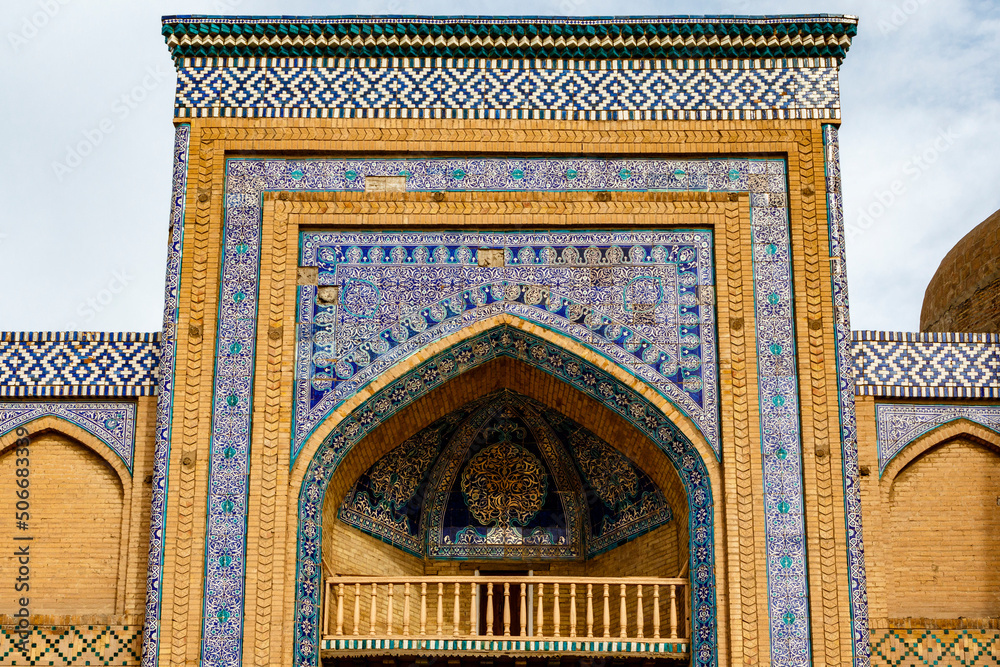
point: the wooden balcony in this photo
(505, 615)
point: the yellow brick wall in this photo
(944, 532)
(76, 521)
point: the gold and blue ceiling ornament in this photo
(505, 478)
(642, 299)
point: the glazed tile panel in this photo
(765, 180)
(519, 89)
(861, 645)
(113, 423)
(642, 299)
(164, 401)
(927, 365)
(899, 424)
(78, 364)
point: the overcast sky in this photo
(83, 245)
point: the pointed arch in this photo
(939, 435)
(546, 351)
(85, 437)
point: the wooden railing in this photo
(624, 609)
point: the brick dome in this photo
(964, 294)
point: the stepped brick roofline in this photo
(532, 37)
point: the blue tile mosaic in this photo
(861, 644)
(370, 88)
(641, 299)
(113, 423)
(929, 365)
(899, 424)
(164, 401)
(78, 363)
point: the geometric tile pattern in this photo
(521, 92)
(845, 393)
(78, 363)
(639, 298)
(763, 179)
(71, 645)
(912, 365)
(899, 424)
(592, 381)
(164, 400)
(919, 647)
(111, 423)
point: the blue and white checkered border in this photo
(926, 365)
(78, 363)
(605, 92)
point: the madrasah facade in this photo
(507, 341)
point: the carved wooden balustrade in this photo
(506, 615)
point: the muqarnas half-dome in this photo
(505, 477)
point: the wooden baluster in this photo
(388, 613)
(340, 609)
(440, 617)
(607, 613)
(327, 592)
(371, 614)
(357, 607)
(473, 609)
(489, 609)
(572, 610)
(673, 611)
(623, 615)
(656, 611)
(590, 610)
(406, 609)
(455, 617)
(639, 621)
(524, 610)
(555, 610)
(423, 608)
(506, 609)
(540, 616)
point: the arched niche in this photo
(76, 518)
(432, 460)
(943, 524)
(642, 425)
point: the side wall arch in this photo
(624, 396)
(942, 524)
(78, 495)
